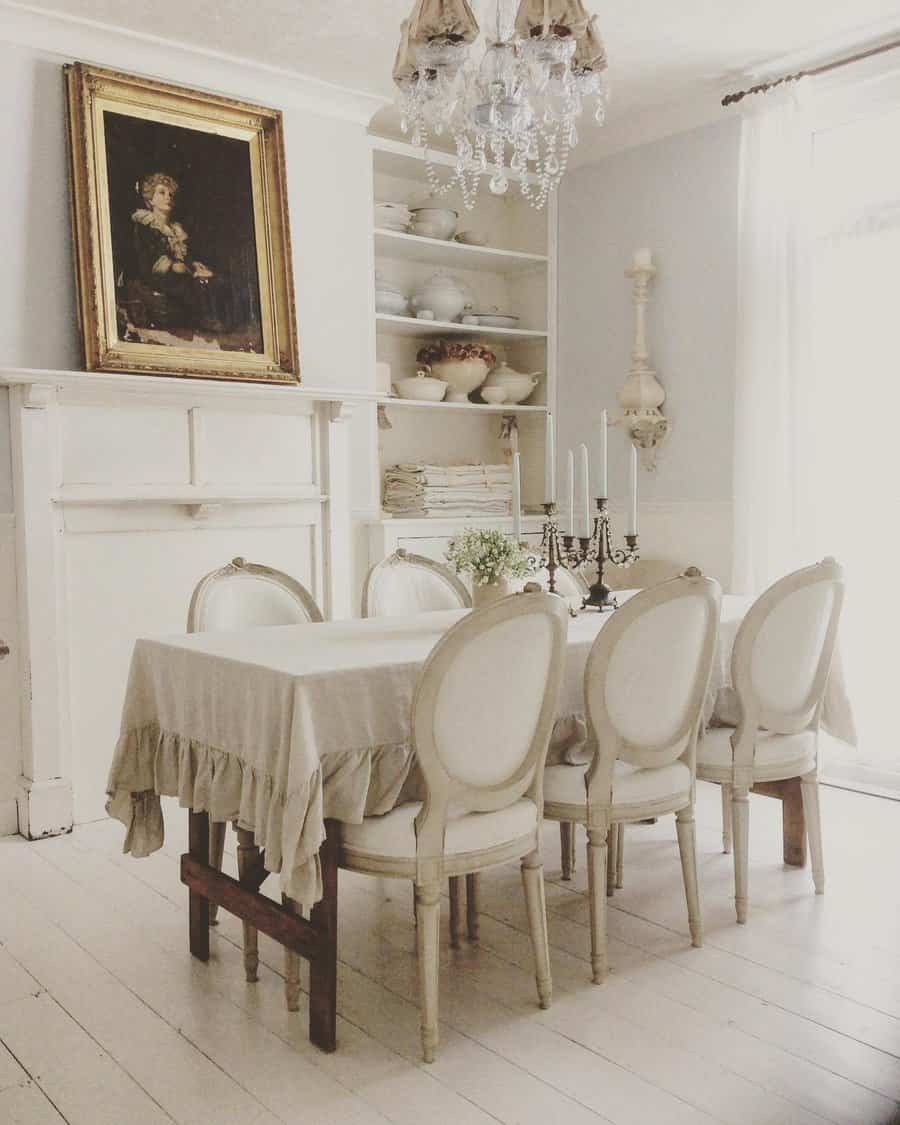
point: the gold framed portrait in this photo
(182, 243)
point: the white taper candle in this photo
(603, 492)
(571, 493)
(632, 507)
(517, 498)
(585, 489)
(550, 463)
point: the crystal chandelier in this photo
(513, 110)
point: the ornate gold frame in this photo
(90, 91)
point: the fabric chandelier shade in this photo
(443, 19)
(551, 17)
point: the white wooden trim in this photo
(44, 807)
(92, 495)
(171, 60)
(41, 598)
(94, 386)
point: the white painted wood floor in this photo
(791, 1020)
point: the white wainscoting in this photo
(127, 491)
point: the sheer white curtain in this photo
(772, 358)
(817, 394)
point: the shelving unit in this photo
(516, 274)
(428, 329)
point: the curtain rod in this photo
(764, 87)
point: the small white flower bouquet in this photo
(489, 556)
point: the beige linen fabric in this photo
(281, 727)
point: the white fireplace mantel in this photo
(108, 472)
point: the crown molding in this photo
(74, 38)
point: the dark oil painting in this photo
(183, 241)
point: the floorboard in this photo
(793, 1019)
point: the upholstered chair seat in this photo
(394, 834)
(632, 785)
(775, 754)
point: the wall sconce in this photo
(642, 394)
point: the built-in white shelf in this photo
(423, 329)
(398, 158)
(470, 407)
(455, 255)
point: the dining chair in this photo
(644, 686)
(406, 583)
(779, 670)
(480, 735)
(244, 595)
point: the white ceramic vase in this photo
(483, 595)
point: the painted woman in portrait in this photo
(166, 266)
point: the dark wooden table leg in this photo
(323, 967)
(793, 823)
(198, 846)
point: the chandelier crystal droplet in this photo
(512, 111)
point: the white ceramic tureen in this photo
(518, 386)
(442, 294)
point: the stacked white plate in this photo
(392, 216)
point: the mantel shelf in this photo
(423, 329)
(439, 252)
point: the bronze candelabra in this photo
(559, 550)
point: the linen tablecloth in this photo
(282, 727)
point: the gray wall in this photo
(677, 196)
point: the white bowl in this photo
(494, 395)
(440, 219)
(392, 216)
(472, 238)
(463, 375)
(497, 320)
(421, 387)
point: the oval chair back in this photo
(245, 595)
(647, 676)
(783, 651)
(484, 709)
(404, 584)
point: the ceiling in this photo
(662, 55)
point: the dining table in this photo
(286, 730)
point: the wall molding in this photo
(74, 37)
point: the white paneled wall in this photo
(128, 491)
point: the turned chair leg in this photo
(620, 856)
(740, 819)
(687, 845)
(428, 915)
(567, 849)
(291, 965)
(457, 888)
(216, 856)
(726, 819)
(536, 905)
(597, 859)
(247, 856)
(473, 894)
(612, 841)
(809, 791)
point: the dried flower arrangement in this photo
(441, 350)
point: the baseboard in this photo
(44, 808)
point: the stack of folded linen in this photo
(448, 490)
